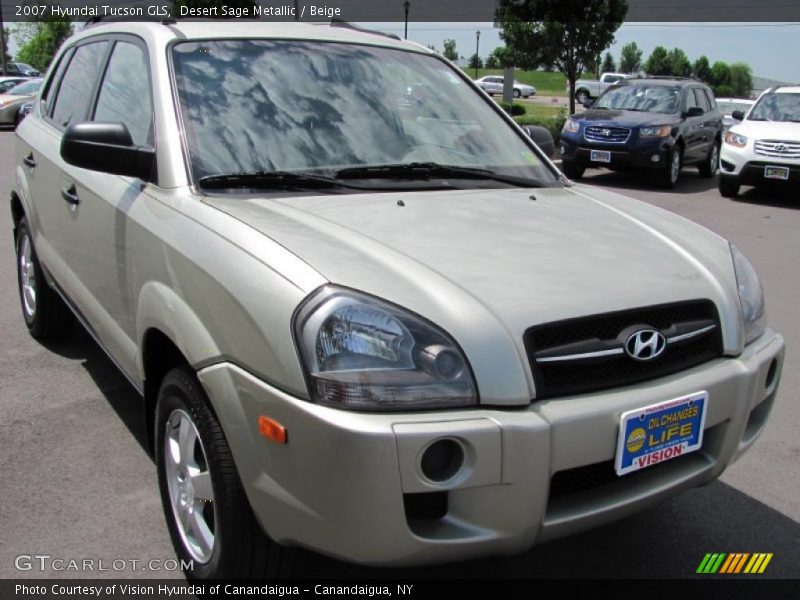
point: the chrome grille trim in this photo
(777, 148)
(616, 135)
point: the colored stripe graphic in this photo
(734, 563)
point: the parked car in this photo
(493, 84)
(6, 83)
(727, 106)
(658, 124)
(391, 340)
(20, 69)
(586, 89)
(11, 101)
(764, 146)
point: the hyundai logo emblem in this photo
(606, 132)
(645, 344)
(781, 148)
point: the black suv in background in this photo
(654, 123)
(16, 69)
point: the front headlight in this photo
(660, 131)
(735, 139)
(751, 296)
(571, 126)
(361, 353)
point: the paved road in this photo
(77, 483)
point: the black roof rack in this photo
(122, 19)
(347, 25)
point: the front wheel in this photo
(517, 93)
(212, 526)
(708, 168)
(729, 186)
(672, 169)
(572, 169)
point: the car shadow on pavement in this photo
(667, 541)
(120, 394)
(690, 181)
(777, 196)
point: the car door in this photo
(98, 262)
(66, 93)
(707, 123)
(693, 128)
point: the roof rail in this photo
(347, 25)
(675, 77)
(114, 19)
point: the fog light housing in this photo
(442, 460)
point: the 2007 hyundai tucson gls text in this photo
(387, 331)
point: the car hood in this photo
(768, 130)
(8, 99)
(488, 264)
(625, 118)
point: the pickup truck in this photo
(587, 89)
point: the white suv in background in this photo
(765, 146)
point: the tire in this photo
(517, 93)
(708, 168)
(42, 309)
(729, 186)
(671, 172)
(581, 96)
(232, 544)
(572, 169)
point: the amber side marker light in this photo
(272, 430)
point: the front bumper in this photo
(633, 154)
(748, 167)
(344, 482)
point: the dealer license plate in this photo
(603, 156)
(771, 172)
(650, 435)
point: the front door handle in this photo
(70, 194)
(28, 160)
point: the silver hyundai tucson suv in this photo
(388, 331)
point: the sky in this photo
(769, 48)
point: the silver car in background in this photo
(13, 99)
(728, 106)
(493, 84)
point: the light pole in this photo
(477, 49)
(406, 6)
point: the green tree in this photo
(679, 64)
(609, 65)
(42, 40)
(720, 74)
(475, 62)
(491, 62)
(569, 34)
(450, 52)
(741, 79)
(701, 69)
(658, 62)
(630, 60)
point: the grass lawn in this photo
(549, 84)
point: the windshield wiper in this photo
(432, 170)
(268, 179)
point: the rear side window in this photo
(77, 86)
(125, 93)
(711, 101)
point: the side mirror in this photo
(107, 147)
(737, 115)
(695, 111)
(542, 138)
(588, 104)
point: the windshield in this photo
(777, 107)
(727, 108)
(25, 89)
(253, 106)
(648, 98)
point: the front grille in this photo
(611, 135)
(615, 368)
(777, 149)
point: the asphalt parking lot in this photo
(78, 483)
